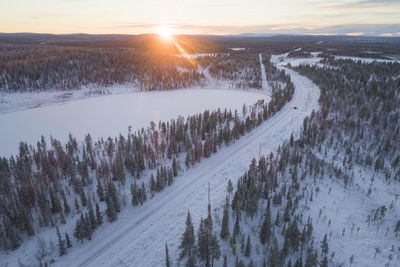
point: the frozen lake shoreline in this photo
(111, 115)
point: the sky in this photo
(346, 17)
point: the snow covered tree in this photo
(188, 238)
(247, 252)
(167, 261)
(225, 221)
(266, 228)
(62, 250)
(99, 216)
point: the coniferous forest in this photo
(266, 219)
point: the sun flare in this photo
(164, 32)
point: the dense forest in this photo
(42, 67)
(38, 68)
(241, 69)
(267, 221)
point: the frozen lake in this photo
(111, 115)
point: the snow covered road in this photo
(138, 237)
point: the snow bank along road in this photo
(138, 238)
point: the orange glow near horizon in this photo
(164, 32)
(184, 53)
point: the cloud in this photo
(365, 4)
(386, 35)
(355, 33)
(344, 29)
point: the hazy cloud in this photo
(345, 29)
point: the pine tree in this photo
(167, 262)
(153, 185)
(66, 206)
(265, 233)
(99, 216)
(208, 245)
(88, 229)
(324, 262)
(203, 242)
(191, 261)
(100, 190)
(248, 247)
(397, 227)
(92, 217)
(236, 228)
(68, 240)
(79, 229)
(225, 221)
(110, 211)
(136, 198)
(214, 249)
(324, 245)
(55, 203)
(61, 244)
(229, 188)
(174, 167)
(188, 239)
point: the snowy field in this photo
(17, 101)
(112, 114)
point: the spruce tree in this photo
(188, 239)
(225, 221)
(99, 216)
(236, 228)
(247, 252)
(62, 250)
(92, 217)
(191, 261)
(265, 233)
(110, 211)
(324, 245)
(167, 262)
(68, 240)
(174, 167)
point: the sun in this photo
(164, 32)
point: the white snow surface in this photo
(138, 237)
(264, 83)
(367, 60)
(111, 115)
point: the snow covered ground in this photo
(282, 60)
(264, 83)
(111, 115)
(342, 214)
(17, 101)
(139, 236)
(366, 60)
